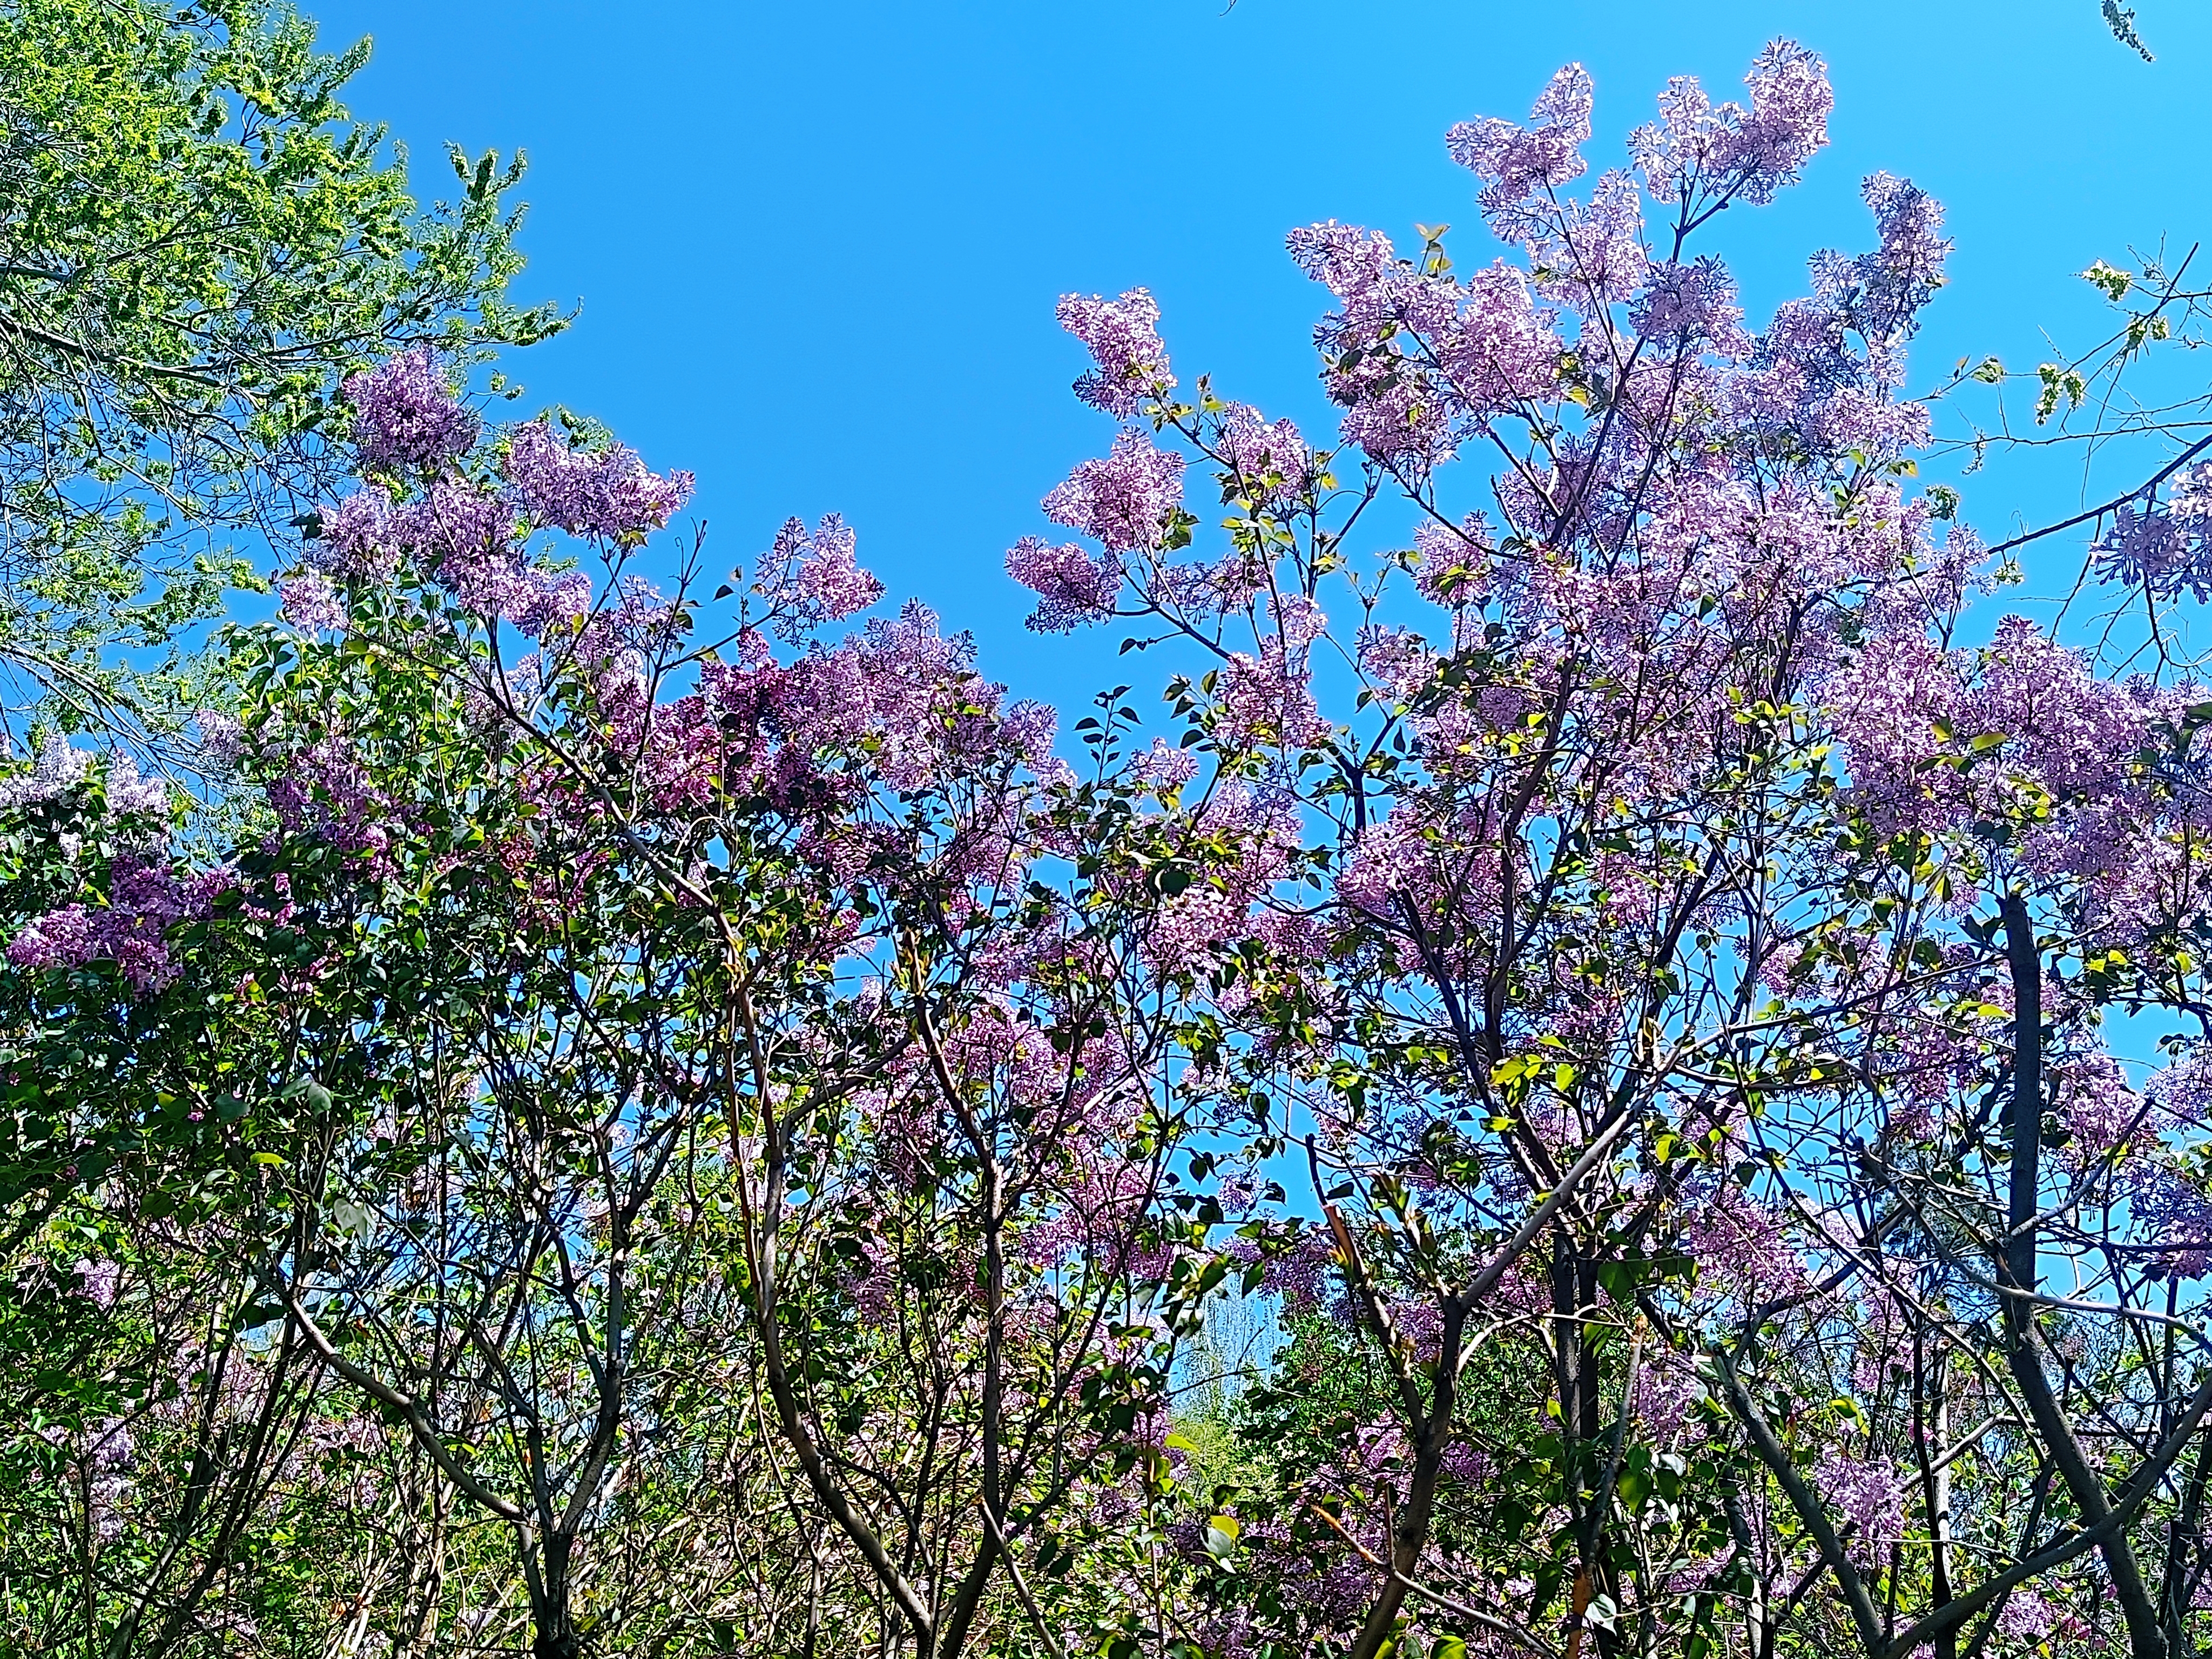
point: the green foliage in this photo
(196, 243)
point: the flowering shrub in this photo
(1703, 943)
(1596, 955)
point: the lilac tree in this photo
(1706, 944)
(650, 1014)
(700, 1132)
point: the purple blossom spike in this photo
(358, 536)
(1123, 338)
(1515, 162)
(1074, 586)
(814, 577)
(311, 603)
(1126, 500)
(605, 493)
(406, 418)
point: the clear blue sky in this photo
(817, 246)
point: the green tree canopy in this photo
(197, 242)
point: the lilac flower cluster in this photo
(60, 768)
(323, 791)
(1269, 462)
(814, 577)
(145, 899)
(606, 493)
(1881, 295)
(1127, 501)
(1123, 338)
(2163, 546)
(2173, 1212)
(1164, 768)
(1515, 162)
(406, 418)
(1724, 152)
(2096, 1105)
(357, 540)
(1072, 586)
(1870, 1495)
(1268, 700)
(310, 604)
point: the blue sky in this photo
(817, 247)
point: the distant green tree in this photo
(2121, 20)
(196, 243)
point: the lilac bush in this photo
(1692, 1030)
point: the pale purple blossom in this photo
(222, 736)
(1267, 701)
(1123, 338)
(1590, 255)
(2027, 1616)
(1456, 566)
(130, 792)
(1127, 500)
(2095, 1104)
(1074, 586)
(1268, 462)
(814, 577)
(358, 536)
(1515, 162)
(606, 493)
(145, 899)
(406, 417)
(1163, 767)
(310, 604)
(1870, 1496)
(60, 767)
(1726, 151)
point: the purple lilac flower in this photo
(1515, 162)
(604, 494)
(1880, 296)
(815, 578)
(2027, 1616)
(2095, 1104)
(99, 1281)
(1126, 500)
(1123, 338)
(222, 737)
(1593, 255)
(358, 536)
(406, 417)
(1162, 767)
(1257, 452)
(1728, 152)
(2165, 547)
(311, 603)
(145, 900)
(1501, 347)
(1869, 1494)
(1455, 565)
(66, 938)
(2174, 1212)
(127, 792)
(1074, 586)
(1692, 305)
(58, 769)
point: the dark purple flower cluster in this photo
(145, 900)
